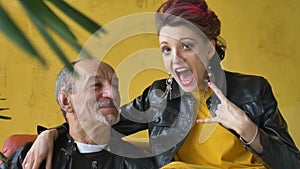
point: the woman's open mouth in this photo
(185, 75)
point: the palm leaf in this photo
(3, 158)
(39, 23)
(10, 29)
(45, 19)
(5, 117)
(76, 16)
(39, 11)
(55, 47)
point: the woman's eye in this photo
(186, 46)
(165, 50)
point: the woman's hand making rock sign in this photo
(232, 117)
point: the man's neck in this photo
(100, 135)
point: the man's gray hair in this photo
(65, 82)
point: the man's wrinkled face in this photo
(95, 96)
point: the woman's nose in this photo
(177, 56)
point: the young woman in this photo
(246, 128)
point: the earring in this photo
(168, 90)
(209, 77)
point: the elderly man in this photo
(89, 100)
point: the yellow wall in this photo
(262, 38)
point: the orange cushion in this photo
(15, 141)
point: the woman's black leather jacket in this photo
(170, 119)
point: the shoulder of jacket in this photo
(240, 81)
(161, 83)
(240, 77)
(244, 87)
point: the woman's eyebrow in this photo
(187, 38)
(163, 42)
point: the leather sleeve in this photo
(61, 129)
(127, 125)
(15, 161)
(279, 150)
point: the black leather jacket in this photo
(67, 156)
(169, 120)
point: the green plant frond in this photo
(40, 22)
(76, 16)
(1, 109)
(55, 47)
(38, 10)
(5, 117)
(3, 158)
(47, 19)
(9, 28)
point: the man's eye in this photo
(98, 85)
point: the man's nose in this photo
(107, 90)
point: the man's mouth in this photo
(107, 103)
(106, 107)
(185, 75)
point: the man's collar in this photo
(89, 148)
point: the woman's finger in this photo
(208, 120)
(217, 91)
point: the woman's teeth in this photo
(181, 70)
(185, 75)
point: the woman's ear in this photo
(64, 101)
(211, 48)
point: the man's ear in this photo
(64, 101)
(211, 49)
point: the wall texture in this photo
(262, 39)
